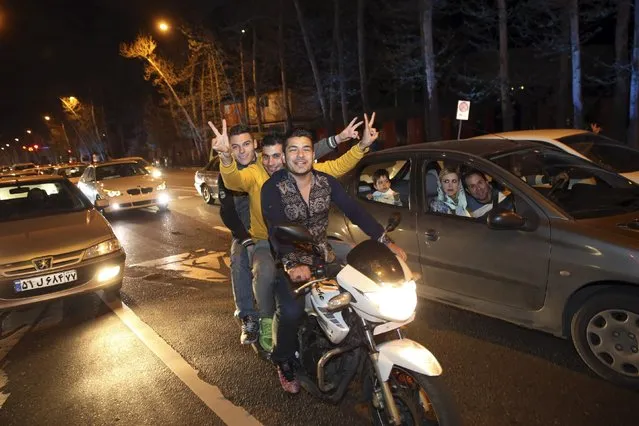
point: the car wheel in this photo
(605, 332)
(207, 195)
(112, 294)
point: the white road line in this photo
(222, 228)
(163, 261)
(209, 394)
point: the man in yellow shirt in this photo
(250, 180)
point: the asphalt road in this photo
(170, 353)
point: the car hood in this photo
(622, 229)
(633, 176)
(124, 183)
(51, 235)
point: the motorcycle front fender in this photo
(408, 354)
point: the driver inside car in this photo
(483, 195)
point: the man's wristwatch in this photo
(288, 264)
(385, 239)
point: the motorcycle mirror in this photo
(393, 221)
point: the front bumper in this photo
(131, 202)
(87, 282)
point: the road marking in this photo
(222, 228)
(211, 395)
(201, 264)
(185, 197)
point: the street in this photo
(169, 353)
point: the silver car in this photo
(206, 181)
(556, 250)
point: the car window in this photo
(28, 200)
(114, 171)
(604, 151)
(579, 187)
(454, 188)
(385, 182)
(71, 172)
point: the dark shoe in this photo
(250, 330)
(288, 378)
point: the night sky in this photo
(56, 48)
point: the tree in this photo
(575, 50)
(361, 53)
(434, 129)
(256, 92)
(280, 53)
(504, 80)
(633, 110)
(621, 69)
(339, 44)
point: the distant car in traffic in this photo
(124, 185)
(607, 153)
(53, 243)
(73, 172)
(206, 181)
(556, 250)
(153, 170)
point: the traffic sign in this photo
(463, 110)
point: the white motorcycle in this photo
(352, 327)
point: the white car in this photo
(125, 185)
(155, 172)
(607, 153)
(73, 172)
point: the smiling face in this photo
(243, 148)
(272, 158)
(479, 187)
(299, 155)
(450, 184)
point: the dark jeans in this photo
(287, 318)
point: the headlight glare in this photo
(156, 173)
(112, 193)
(161, 187)
(103, 248)
(396, 303)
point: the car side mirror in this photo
(101, 203)
(505, 219)
(393, 221)
(293, 234)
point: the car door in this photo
(400, 168)
(211, 174)
(464, 261)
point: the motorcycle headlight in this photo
(396, 303)
(110, 193)
(103, 248)
(161, 187)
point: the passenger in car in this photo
(383, 192)
(483, 195)
(451, 197)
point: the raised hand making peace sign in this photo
(369, 134)
(350, 132)
(220, 142)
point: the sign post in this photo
(463, 110)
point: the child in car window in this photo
(383, 192)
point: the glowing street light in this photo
(29, 131)
(164, 26)
(7, 144)
(17, 140)
(243, 31)
(47, 118)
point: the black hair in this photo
(469, 172)
(239, 129)
(380, 173)
(298, 133)
(273, 138)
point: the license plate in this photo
(45, 281)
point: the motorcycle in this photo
(353, 328)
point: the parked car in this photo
(206, 181)
(73, 172)
(563, 258)
(606, 152)
(154, 171)
(125, 185)
(53, 243)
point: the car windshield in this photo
(71, 171)
(36, 199)
(113, 171)
(579, 187)
(604, 151)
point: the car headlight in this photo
(103, 248)
(161, 187)
(110, 193)
(156, 173)
(396, 303)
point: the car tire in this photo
(112, 294)
(605, 333)
(164, 208)
(207, 194)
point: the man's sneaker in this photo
(266, 334)
(250, 330)
(288, 378)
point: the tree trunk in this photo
(633, 110)
(244, 100)
(280, 45)
(214, 99)
(256, 92)
(194, 107)
(313, 62)
(179, 103)
(331, 87)
(506, 106)
(202, 97)
(340, 61)
(361, 54)
(621, 73)
(434, 131)
(575, 49)
(563, 91)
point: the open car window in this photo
(385, 182)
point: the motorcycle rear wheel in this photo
(421, 400)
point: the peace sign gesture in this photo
(369, 134)
(220, 142)
(350, 132)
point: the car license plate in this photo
(45, 281)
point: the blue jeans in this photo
(241, 280)
(263, 277)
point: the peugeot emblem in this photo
(42, 263)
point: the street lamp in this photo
(17, 140)
(29, 131)
(164, 26)
(47, 118)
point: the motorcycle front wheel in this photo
(421, 400)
